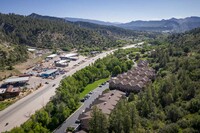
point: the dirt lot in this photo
(29, 63)
(21, 67)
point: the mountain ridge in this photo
(174, 25)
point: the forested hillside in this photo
(170, 104)
(109, 30)
(11, 55)
(105, 30)
(49, 33)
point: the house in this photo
(106, 103)
(11, 92)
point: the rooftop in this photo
(50, 71)
(16, 79)
(106, 103)
(70, 55)
(11, 89)
(2, 91)
(62, 61)
(52, 56)
(31, 49)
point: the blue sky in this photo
(106, 10)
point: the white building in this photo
(62, 63)
(68, 56)
(51, 56)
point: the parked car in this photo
(46, 82)
(82, 100)
(90, 92)
(53, 85)
(77, 121)
(86, 97)
(104, 83)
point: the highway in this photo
(19, 112)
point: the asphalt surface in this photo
(71, 119)
(19, 112)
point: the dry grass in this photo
(21, 67)
(29, 63)
(7, 73)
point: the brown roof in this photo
(81, 131)
(10, 88)
(106, 103)
(137, 77)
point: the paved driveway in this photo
(71, 120)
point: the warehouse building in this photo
(71, 56)
(49, 73)
(51, 56)
(62, 63)
(14, 80)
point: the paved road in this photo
(19, 112)
(71, 120)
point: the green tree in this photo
(116, 70)
(98, 122)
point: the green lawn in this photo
(4, 104)
(92, 86)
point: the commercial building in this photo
(9, 92)
(48, 73)
(70, 56)
(2, 92)
(51, 56)
(62, 63)
(14, 80)
(134, 80)
(106, 103)
(12, 92)
(31, 49)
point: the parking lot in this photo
(36, 80)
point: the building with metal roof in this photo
(48, 73)
(62, 63)
(16, 79)
(68, 56)
(51, 56)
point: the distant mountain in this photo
(173, 25)
(90, 21)
(170, 25)
(34, 15)
(104, 28)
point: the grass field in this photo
(92, 86)
(4, 104)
